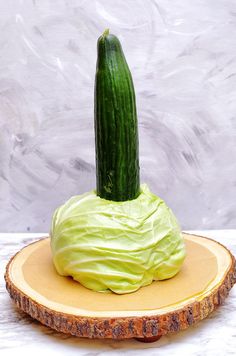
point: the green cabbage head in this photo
(116, 246)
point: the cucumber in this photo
(115, 119)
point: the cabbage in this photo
(116, 246)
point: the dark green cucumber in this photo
(116, 130)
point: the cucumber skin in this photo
(116, 129)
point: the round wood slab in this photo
(207, 275)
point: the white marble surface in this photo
(20, 334)
(182, 57)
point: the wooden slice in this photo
(163, 307)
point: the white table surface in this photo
(21, 334)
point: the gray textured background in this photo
(182, 55)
